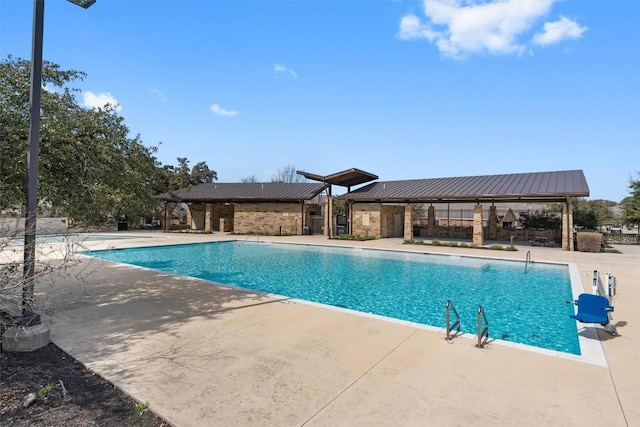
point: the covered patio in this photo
(367, 204)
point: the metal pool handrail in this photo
(456, 324)
(527, 261)
(482, 332)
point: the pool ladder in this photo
(483, 324)
(482, 333)
(527, 261)
(456, 324)
(249, 235)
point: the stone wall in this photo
(268, 218)
(207, 216)
(392, 220)
(374, 219)
(366, 220)
(222, 212)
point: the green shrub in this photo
(436, 243)
(474, 245)
(589, 241)
(346, 237)
(44, 391)
(409, 241)
(464, 245)
(365, 237)
(141, 408)
(496, 247)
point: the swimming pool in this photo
(528, 308)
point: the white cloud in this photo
(219, 111)
(412, 28)
(158, 94)
(281, 69)
(100, 100)
(555, 32)
(463, 27)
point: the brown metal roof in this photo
(537, 186)
(246, 192)
(346, 178)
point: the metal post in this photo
(33, 152)
(32, 159)
(479, 326)
(448, 318)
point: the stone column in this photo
(431, 221)
(493, 223)
(408, 226)
(168, 208)
(208, 214)
(189, 217)
(567, 233)
(328, 229)
(570, 209)
(478, 237)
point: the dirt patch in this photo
(66, 394)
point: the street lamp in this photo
(32, 158)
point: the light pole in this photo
(32, 159)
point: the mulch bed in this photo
(66, 394)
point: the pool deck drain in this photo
(213, 355)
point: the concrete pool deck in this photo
(205, 355)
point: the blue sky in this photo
(403, 89)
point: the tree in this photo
(591, 214)
(631, 204)
(548, 219)
(287, 174)
(249, 179)
(181, 176)
(417, 212)
(90, 168)
(339, 206)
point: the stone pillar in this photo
(570, 215)
(478, 237)
(566, 231)
(493, 223)
(208, 214)
(328, 229)
(567, 226)
(408, 226)
(431, 221)
(168, 208)
(189, 217)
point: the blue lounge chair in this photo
(594, 309)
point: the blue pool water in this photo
(528, 308)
